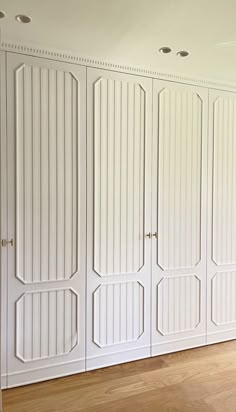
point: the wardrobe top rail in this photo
(72, 57)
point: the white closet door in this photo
(3, 212)
(221, 264)
(179, 216)
(46, 218)
(118, 256)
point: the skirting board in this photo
(3, 381)
(75, 367)
(45, 374)
(175, 346)
(221, 336)
(117, 358)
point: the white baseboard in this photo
(221, 336)
(178, 345)
(3, 381)
(96, 362)
(117, 358)
(43, 374)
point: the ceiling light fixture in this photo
(165, 50)
(183, 53)
(22, 18)
(2, 14)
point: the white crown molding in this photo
(73, 57)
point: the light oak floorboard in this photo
(202, 379)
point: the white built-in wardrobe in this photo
(118, 217)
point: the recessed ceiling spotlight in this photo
(22, 18)
(165, 50)
(182, 53)
(2, 14)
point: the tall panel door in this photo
(46, 218)
(3, 212)
(221, 264)
(119, 217)
(179, 216)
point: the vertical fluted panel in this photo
(179, 178)
(224, 181)
(47, 164)
(178, 304)
(46, 324)
(118, 313)
(119, 134)
(224, 298)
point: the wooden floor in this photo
(202, 379)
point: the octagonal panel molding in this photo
(119, 151)
(224, 181)
(46, 174)
(178, 304)
(179, 178)
(223, 292)
(46, 324)
(118, 313)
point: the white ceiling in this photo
(132, 31)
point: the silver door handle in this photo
(6, 242)
(151, 235)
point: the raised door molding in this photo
(224, 181)
(179, 177)
(40, 332)
(118, 313)
(47, 183)
(119, 149)
(178, 304)
(223, 291)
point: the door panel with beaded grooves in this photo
(221, 260)
(118, 275)
(179, 177)
(46, 218)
